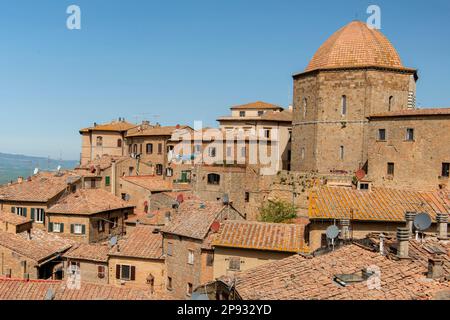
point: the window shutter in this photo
(117, 271)
(83, 229)
(13, 210)
(32, 214)
(62, 227)
(25, 212)
(72, 227)
(50, 227)
(133, 273)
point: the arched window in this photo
(119, 143)
(391, 103)
(344, 105)
(159, 169)
(305, 107)
(213, 179)
(130, 149)
(99, 141)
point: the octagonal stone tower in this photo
(355, 73)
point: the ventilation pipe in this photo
(403, 243)
(442, 221)
(409, 217)
(345, 229)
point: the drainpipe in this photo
(113, 177)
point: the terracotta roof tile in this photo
(256, 105)
(40, 246)
(13, 218)
(261, 236)
(147, 130)
(119, 126)
(87, 202)
(103, 162)
(356, 45)
(194, 218)
(413, 113)
(13, 289)
(143, 242)
(379, 204)
(40, 188)
(300, 278)
(89, 252)
(151, 183)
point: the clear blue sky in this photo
(183, 60)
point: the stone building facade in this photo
(410, 149)
(336, 93)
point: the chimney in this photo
(435, 268)
(145, 122)
(402, 243)
(19, 179)
(409, 217)
(345, 231)
(442, 220)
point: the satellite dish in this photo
(422, 221)
(113, 241)
(36, 171)
(49, 295)
(332, 232)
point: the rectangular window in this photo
(209, 259)
(101, 226)
(160, 147)
(247, 197)
(229, 152)
(189, 289)
(267, 133)
(20, 211)
(107, 181)
(241, 114)
(191, 257)
(341, 152)
(101, 272)
(78, 228)
(57, 227)
(125, 272)
(390, 168)
(169, 283)
(198, 148)
(235, 264)
(243, 152)
(363, 186)
(446, 169)
(92, 184)
(169, 249)
(149, 148)
(212, 152)
(39, 215)
(260, 113)
(381, 134)
(409, 134)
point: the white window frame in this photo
(76, 226)
(56, 227)
(191, 257)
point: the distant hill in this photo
(15, 165)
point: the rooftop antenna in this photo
(332, 233)
(422, 222)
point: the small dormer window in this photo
(260, 113)
(357, 277)
(242, 114)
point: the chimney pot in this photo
(345, 224)
(409, 217)
(403, 243)
(442, 220)
(435, 268)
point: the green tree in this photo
(277, 211)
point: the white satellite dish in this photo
(422, 221)
(113, 241)
(332, 232)
(36, 171)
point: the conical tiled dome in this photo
(356, 45)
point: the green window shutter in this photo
(50, 227)
(133, 273)
(108, 181)
(72, 228)
(117, 271)
(62, 227)
(83, 229)
(32, 213)
(25, 212)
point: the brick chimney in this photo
(409, 217)
(442, 221)
(435, 268)
(402, 243)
